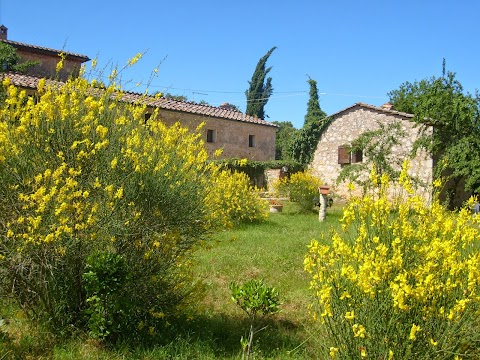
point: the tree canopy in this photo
(285, 135)
(260, 89)
(10, 60)
(305, 141)
(454, 113)
(314, 112)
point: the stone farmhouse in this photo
(343, 127)
(238, 134)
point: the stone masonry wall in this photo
(231, 135)
(348, 126)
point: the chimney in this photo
(3, 32)
(387, 106)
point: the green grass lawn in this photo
(273, 251)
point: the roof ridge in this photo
(162, 103)
(373, 107)
(43, 48)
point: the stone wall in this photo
(348, 125)
(230, 135)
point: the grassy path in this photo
(273, 251)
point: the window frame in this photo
(252, 142)
(211, 136)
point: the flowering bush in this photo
(400, 280)
(301, 187)
(81, 173)
(232, 200)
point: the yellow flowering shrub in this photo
(399, 280)
(232, 200)
(81, 173)
(300, 187)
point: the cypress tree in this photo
(259, 91)
(314, 112)
(305, 142)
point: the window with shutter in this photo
(357, 156)
(343, 155)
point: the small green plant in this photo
(254, 297)
(105, 276)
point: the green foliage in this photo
(175, 97)
(254, 297)
(232, 200)
(259, 90)
(301, 188)
(81, 175)
(104, 279)
(314, 112)
(376, 147)
(9, 59)
(284, 139)
(442, 102)
(306, 139)
(399, 279)
(255, 169)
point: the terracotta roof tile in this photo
(372, 107)
(28, 81)
(42, 49)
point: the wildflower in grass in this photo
(350, 315)
(358, 330)
(413, 332)
(333, 352)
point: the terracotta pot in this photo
(276, 208)
(324, 190)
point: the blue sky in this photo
(357, 51)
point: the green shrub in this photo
(232, 200)
(301, 187)
(82, 174)
(105, 279)
(255, 298)
(399, 280)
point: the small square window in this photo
(251, 141)
(211, 136)
(357, 156)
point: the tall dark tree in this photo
(305, 142)
(260, 89)
(314, 112)
(285, 135)
(454, 114)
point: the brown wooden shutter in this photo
(343, 155)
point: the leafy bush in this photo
(400, 280)
(81, 173)
(255, 298)
(232, 200)
(301, 187)
(105, 278)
